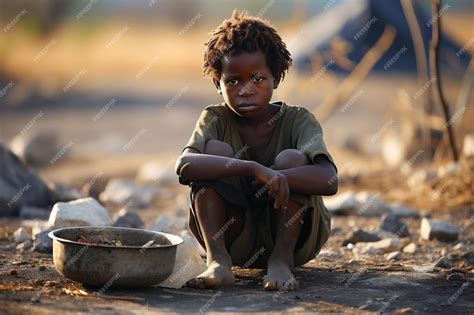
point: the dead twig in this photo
(434, 66)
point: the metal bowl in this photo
(129, 265)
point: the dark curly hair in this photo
(243, 33)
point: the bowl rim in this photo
(175, 239)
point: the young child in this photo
(256, 168)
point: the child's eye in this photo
(232, 82)
(258, 78)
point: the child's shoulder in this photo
(294, 111)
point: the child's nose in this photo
(247, 89)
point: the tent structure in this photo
(360, 24)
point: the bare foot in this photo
(279, 277)
(217, 274)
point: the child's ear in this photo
(218, 86)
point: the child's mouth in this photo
(247, 107)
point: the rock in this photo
(443, 262)
(455, 276)
(42, 243)
(21, 235)
(460, 247)
(20, 186)
(28, 213)
(410, 248)
(169, 224)
(81, 212)
(440, 230)
(342, 204)
(468, 145)
(394, 256)
(381, 247)
(403, 211)
(371, 204)
(392, 223)
(129, 219)
(24, 246)
(122, 192)
(360, 236)
(188, 264)
(38, 148)
(157, 173)
(64, 193)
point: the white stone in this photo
(37, 148)
(468, 145)
(440, 230)
(344, 203)
(123, 192)
(157, 173)
(393, 256)
(169, 224)
(410, 248)
(21, 235)
(188, 264)
(381, 247)
(81, 212)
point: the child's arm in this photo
(195, 166)
(318, 179)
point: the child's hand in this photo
(276, 183)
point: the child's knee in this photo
(290, 158)
(219, 148)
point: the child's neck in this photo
(262, 119)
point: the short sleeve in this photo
(207, 128)
(308, 136)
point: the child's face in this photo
(246, 83)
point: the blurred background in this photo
(108, 85)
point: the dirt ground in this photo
(335, 282)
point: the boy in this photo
(256, 169)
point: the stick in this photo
(421, 65)
(434, 65)
(357, 75)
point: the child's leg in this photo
(219, 224)
(288, 227)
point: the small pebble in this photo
(13, 272)
(455, 276)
